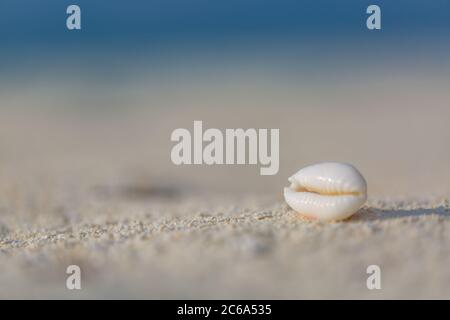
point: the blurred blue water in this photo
(34, 32)
(33, 24)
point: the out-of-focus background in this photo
(85, 124)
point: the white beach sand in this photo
(97, 188)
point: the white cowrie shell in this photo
(327, 191)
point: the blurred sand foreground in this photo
(95, 187)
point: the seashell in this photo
(326, 191)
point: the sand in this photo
(96, 188)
